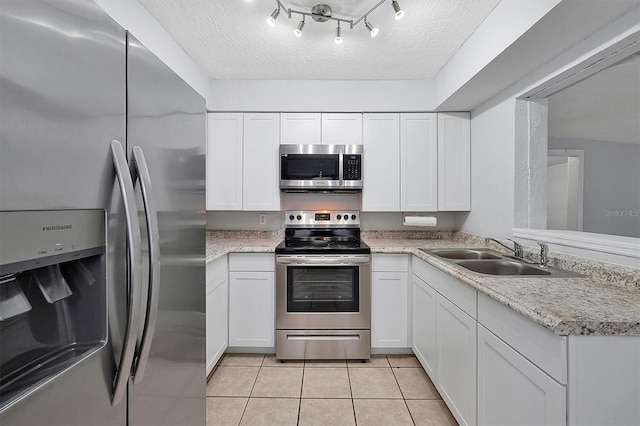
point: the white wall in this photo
(322, 95)
(493, 139)
(492, 170)
(134, 18)
(505, 24)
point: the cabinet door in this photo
(224, 161)
(217, 319)
(418, 162)
(454, 162)
(381, 168)
(423, 325)
(342, 129)
(389, 310)
(260, 182)
(251, 309)
(300, 128)
(456, 355)
(511, 390)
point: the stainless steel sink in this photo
(464, 253)
(502, 267)
(484, 261)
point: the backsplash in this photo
(408, 235)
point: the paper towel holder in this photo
(419, 220)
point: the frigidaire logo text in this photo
(56, 227)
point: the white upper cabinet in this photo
(260, 183)
(418, 162)
(300, 128)
(454, 161)
(342, 129)
(381, 162)
(224, 161)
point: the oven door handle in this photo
(322, 260)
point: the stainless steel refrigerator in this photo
(102, 225)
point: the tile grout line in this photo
(402, 393)
(353, 405)
(251, 391)
(304, 368)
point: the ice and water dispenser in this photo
(53, 299)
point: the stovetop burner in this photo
(322, 233)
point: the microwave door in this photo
(310, 167)
(302, 172)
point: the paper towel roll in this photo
(420, 221)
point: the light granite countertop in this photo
(605, 302)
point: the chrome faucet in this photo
(544, 255)
(517, 250)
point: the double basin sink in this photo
(489, 262)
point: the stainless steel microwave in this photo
(321, 168)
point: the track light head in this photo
(271, 20)
(396, 7)
(372, 30)
(298, 31)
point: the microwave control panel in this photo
(352, 167)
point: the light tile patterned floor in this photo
(256, 389)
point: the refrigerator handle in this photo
(121, 378)
(141, 171)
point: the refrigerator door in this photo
(62, 102)
(166, 130)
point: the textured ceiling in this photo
(603, 107)
(230, 39)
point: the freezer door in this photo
(167, 122)
(62, 102)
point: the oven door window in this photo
(310, 167)
(322, 289)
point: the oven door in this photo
(316, 292)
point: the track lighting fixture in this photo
(322, 13)
(396, 8)
(271, 20)
(372, 30)
(338, 38)
(298, 31)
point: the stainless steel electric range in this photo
(323, 287)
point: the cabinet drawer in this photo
(251, 262)
(462, 295)
(216, 267)
(390, 262)
(533, 341)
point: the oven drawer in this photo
(323, 344)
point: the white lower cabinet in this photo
(251, 300)
(444, 336)
(456, 355)
(424, 325)
(389, 301)
(217, 303)
(513, 391)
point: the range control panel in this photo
(323, 218)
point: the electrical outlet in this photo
(263, 219)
